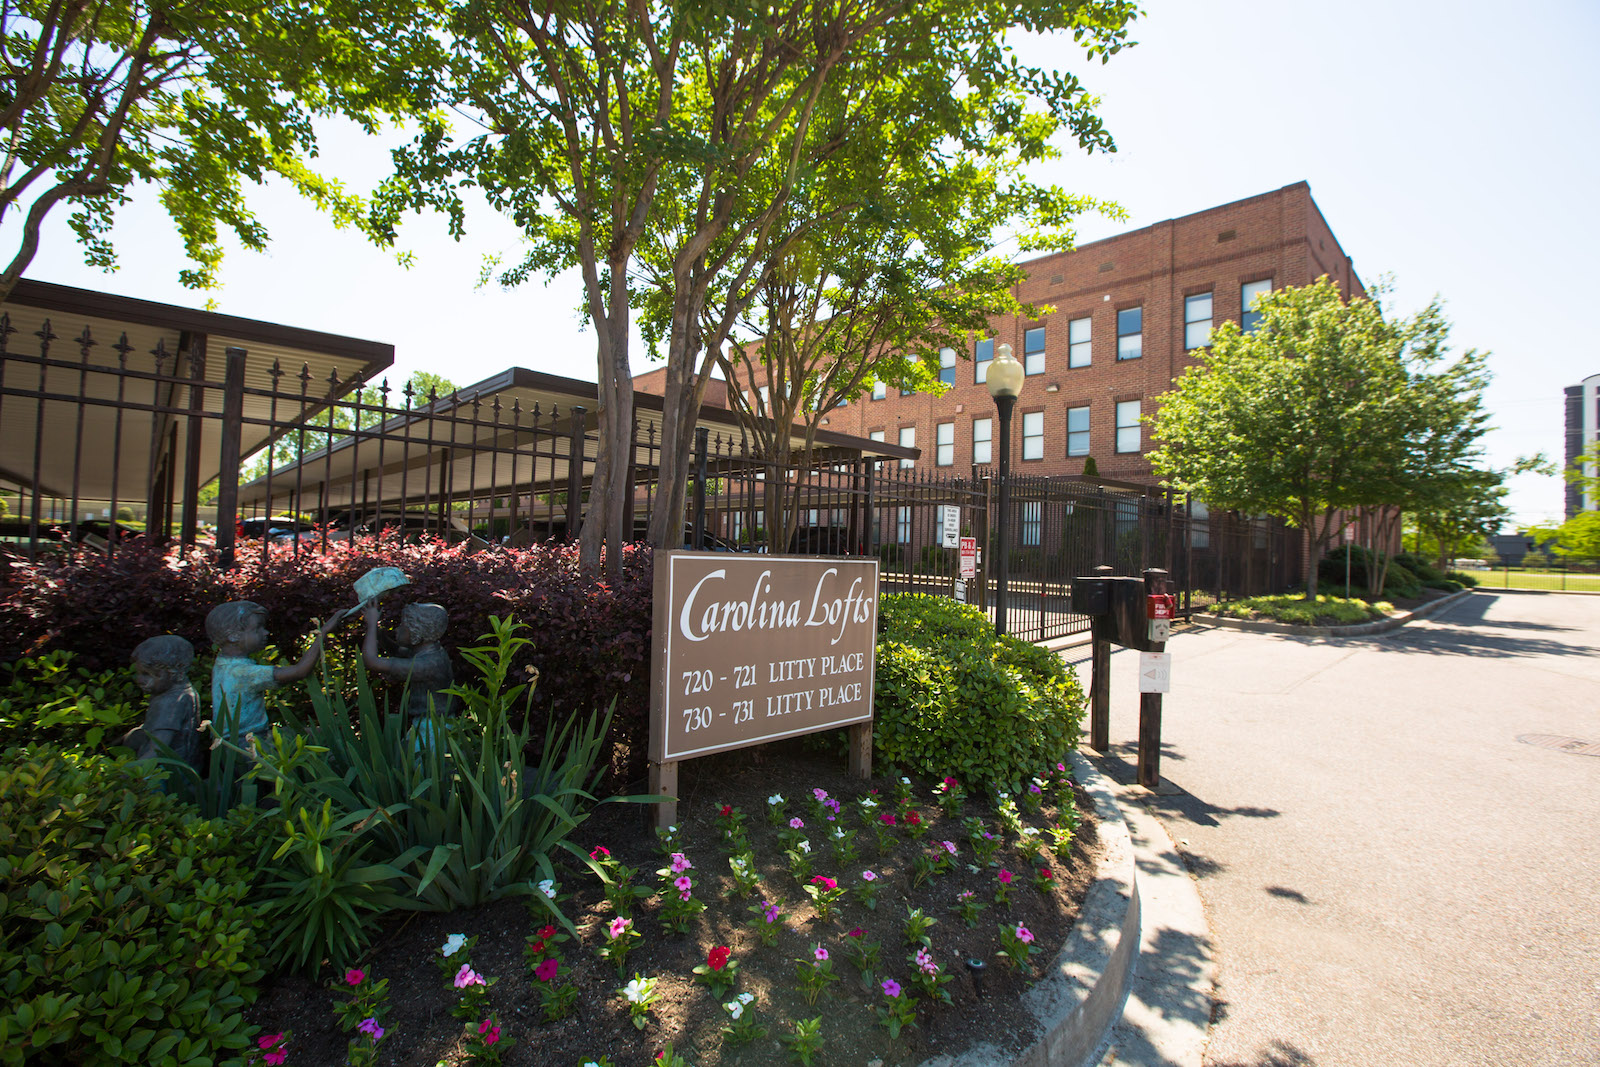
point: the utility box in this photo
(1091, 596)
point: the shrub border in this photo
(1357, 629)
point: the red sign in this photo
(1160, 605)
(969, 557)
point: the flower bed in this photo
(729, 962)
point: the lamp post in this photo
(1005, 382)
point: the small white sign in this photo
(1160, 629)
(1155, 672)
(961, 591)
(950, 519)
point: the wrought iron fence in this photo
(337, 458)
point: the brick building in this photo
(1128, 312)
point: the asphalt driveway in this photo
(1391, 875)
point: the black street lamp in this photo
(1005, 382)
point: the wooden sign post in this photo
(752, 648)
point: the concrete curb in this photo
(1359, 629)
(1081, 996)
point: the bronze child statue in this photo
(161, 670)
(238, 683)
(422, 664)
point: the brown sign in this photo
(751, 648)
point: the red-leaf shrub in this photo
(591, 639)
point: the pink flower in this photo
(371, 1027)
(354, 977)
(949, 846)
(797, 824)
(683, 895)
(490, 1032)
(820, 794)
(617, 927)
(680, 863)
(600, 850)
(887, 818)
(269, 1040)
(820, 953)
(547, 970)
(868, 876)
(275, 1057)
(683, 883)
(949, 783)
(1024, 934)
(467, 976)
(891, 988)
(826, 883)
(1005, 877)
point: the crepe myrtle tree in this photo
(609, 127)
(191, 97)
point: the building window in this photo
(766, 400)
(1199, 524)
(1078, 431)
(902, 526)
(1033, 350)
(1032, 521)
(1196, 321)
(908, 439)
(1128, 426)
(982, 435)
(812, 516)
(1249, 318)
(1078, 347)
(947, 366)
(982, 353)
(879, 390)
(906, 392)
(945, 444)
(1033, 435)
(1130, 333)
(875, 435)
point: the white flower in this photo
(838, 833)
(452, 945)
(638, 989)
(775, 799)
(1029, 831)
(672, 829)
(548, 888)
(735, 1009)
(805, 846)
(905, 781)
(745, 998)
(868, 802)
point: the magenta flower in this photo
(1024, 934)
(1005, 877)
(887, 818)
(826, 883)
(354, 977)
(680, 863)
(371, 1027)
(276, 1056)
(857, 932)
(467, 976)
(490, 1032)
(683, 883)
(547, 970)
(891, 988)
(820, 953)
(269, 1040)
(617, 927)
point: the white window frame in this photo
(879, 390)
(1080, 346)
(947, 366)
(983, 447)
(1032, 522)
(902, 526)
(908, 439)
(1248, 292)
(1033, 435)
(1033, 357)
(1197, 327)
(1129, 432)
(1130, 345)
(980, 362)
(1078, 439)
(944, 448)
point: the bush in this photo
(953, 698)
(126, 934)
(1292, 608)
(1399, 581)
(593, 636)
(48, 699)
(1463, 577)
(1449, 585)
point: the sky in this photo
(1450, 145)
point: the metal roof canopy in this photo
(349, 466)
(72, 465)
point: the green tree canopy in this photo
(191, 97)
(610, 126)
(1325, 407)
(1579, 536)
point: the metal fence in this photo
(336, 459)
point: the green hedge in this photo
(124, 932)
(954, 699)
